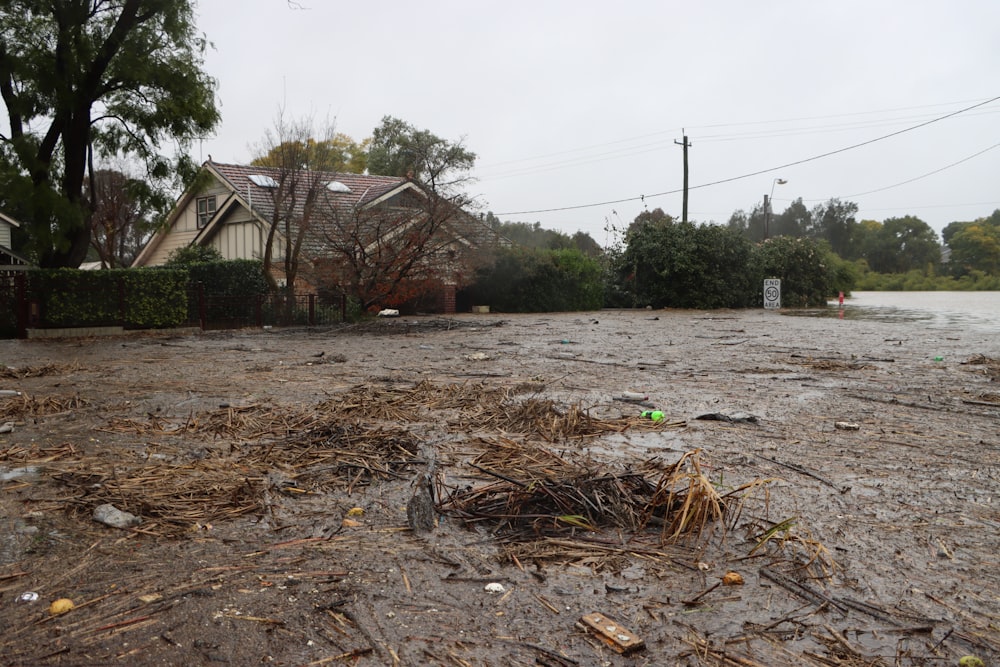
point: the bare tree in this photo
(387, 248)
(296, 196)
(405, 248)
(118, 227)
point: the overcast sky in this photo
(577, 105)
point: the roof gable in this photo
(377, 205)
(9, 220)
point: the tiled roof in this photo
(360, 190)
(363, 188)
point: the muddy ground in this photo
(272, 471)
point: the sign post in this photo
(772, 293)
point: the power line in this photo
(624, 147)
(839, 127)
(760, 171)
(909, 180)
(652, 147)
(930, 173)
(842, 115)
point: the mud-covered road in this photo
(272, 472)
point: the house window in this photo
(206, 209)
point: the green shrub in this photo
(154, 300)
(235, 277)
(920, 281)
(231, 290)
(535, 280)
(193, 254)
(808, 271)
(683, 265)
(135, 298)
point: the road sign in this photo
(772, 293)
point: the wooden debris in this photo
(6, 372)
(560, 499)
(25, 406)
(613, 634)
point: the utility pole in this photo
(767, 215)
(767, 206)
(686, 144)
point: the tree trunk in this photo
(76, 140)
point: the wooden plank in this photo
(613, 634)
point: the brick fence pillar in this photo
(448, 300)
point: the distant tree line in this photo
(893, 246)
(661, 262)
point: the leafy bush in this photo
(193, 254)
(354, 312)
(532, 280)
(808, 270)
(234, 277)
(154, 300)
(682, 265)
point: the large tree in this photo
(86, 78)
(397, 251)
(749, 225)
(793, 221)
(338, 153)
(834, 222)
(903, 244)
(975, 246)
(399, 149)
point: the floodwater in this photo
(978, 311)
(888, 551)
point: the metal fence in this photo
(214, 311)
(205, 310)
(11, 304)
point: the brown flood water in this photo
(878, 441)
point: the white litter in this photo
(110, 515)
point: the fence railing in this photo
(205, 310)
(214, 311)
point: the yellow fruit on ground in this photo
(60, 606)
(732, 579)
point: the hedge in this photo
(134, 298)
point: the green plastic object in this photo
(655, 415)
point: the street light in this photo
(767, 205)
